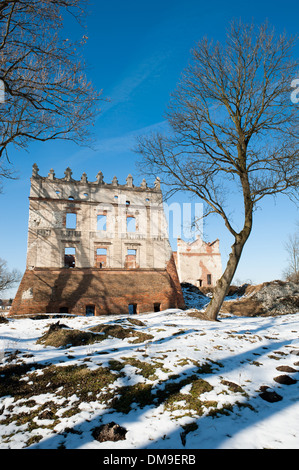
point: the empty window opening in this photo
(199, 282)
(63, 310)
(209, 279)
(71, 221)
(131, 259)
(70, 257)
(131, 224)
(90, 310)
(101, 222)
(71, 198)
(132, 309)
(157, 307)
(128, 203)
(101, 258)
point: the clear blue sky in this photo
(136, 52)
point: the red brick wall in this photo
(176, 286)
(109, 290)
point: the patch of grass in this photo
(139, 393)
(147, 369)
(276, 358)
(118, 331)
(66, 338)
(233, 387)
(225, 410)
(60, 336)
(33, 440)
(74, 410)
(64, 381)
(116, 365)
(205, 368)
(135, 321)
(183, 362)
(45, 411)
(174, 399)
(200, 386)
(145, 394)
(11, 374)
(197, 314)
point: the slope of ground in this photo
(267, 299)
(160, 381)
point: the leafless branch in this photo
(232, 126)
(47, 93)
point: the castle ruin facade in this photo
(96, 248)
(198, 262)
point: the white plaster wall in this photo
(48, 235)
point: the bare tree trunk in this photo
(210, 153)
(223, 284)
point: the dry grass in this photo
(118, 331)
(60, 336)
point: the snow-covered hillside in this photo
(170, 380)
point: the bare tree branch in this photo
(8, 278)
(292, 249)
(47, 94)
(232, 127)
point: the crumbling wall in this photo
(198, 263)
(84, 238)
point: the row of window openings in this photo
(102, 223)
(71, 222)
(101, 257)
(90, 310)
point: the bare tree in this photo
(47, 94)
(8, 278)
(292, 249)
(232, 128)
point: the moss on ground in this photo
(60, 336)
(118, 331)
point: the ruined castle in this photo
(96, 248)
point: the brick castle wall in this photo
(109, 291)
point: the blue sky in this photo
(136, 52)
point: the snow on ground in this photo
(204, 391)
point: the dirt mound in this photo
(267, 299)
(109, 432)
(61, 336)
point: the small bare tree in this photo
(292, 249)
(232, 128)
(8, 278)
(47, 94)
